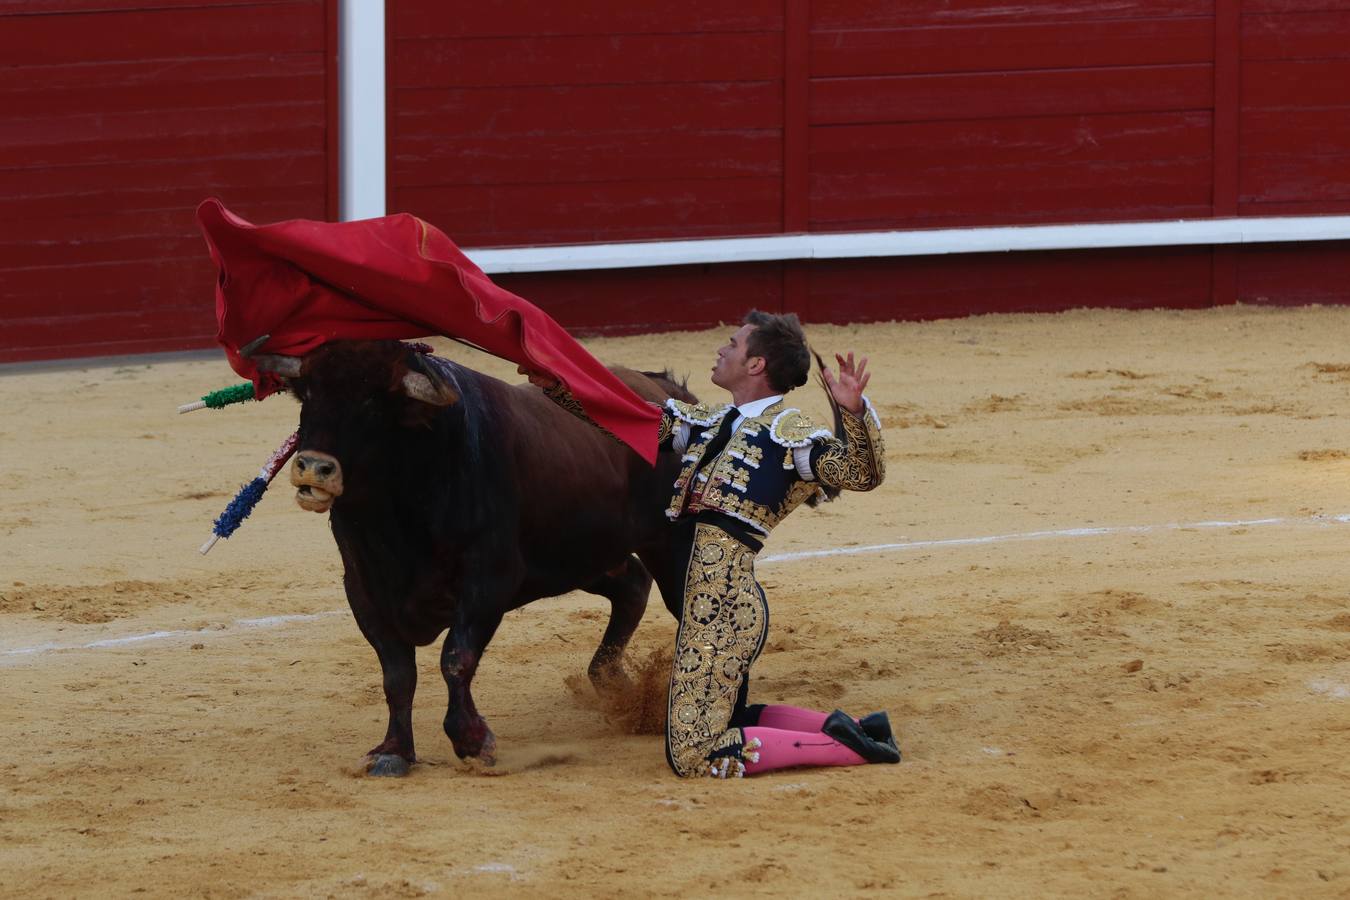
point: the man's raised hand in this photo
(847, 388)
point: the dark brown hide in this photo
(452, 513)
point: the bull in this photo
(454, 498)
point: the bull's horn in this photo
(425, 382)
(276, 364)
(254, 346)
(420, 387)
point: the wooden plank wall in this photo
(799, 115)
(518, 122)
(526, 122)
(1295, 144)
(117, 117)
(613, 124)
(941, 113)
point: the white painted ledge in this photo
(934, 242)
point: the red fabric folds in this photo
(396, 277)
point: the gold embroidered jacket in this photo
(757, 478)
(773, 463)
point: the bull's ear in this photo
(424, 383)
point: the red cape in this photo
(396, 277)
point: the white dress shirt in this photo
(801, 456)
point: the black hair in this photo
(779, 339)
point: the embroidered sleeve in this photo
(672, 434)
(560, 395)
(679, 434)
(668, 429)
(855, 461)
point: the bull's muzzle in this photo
(318, 480)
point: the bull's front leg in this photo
(463, 649)
(394, 755)
(398, 663)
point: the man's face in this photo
(734, 366)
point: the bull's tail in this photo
(826, 494)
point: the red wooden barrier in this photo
(116, 119)
(519, 122)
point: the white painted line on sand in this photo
(276, 621)
(1043, 535)
(237, 625)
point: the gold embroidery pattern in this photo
(859, 466)
(750, 455)
(698, 414)
(666, 429)
(560, 395)
(681, 489)
(695, 451)
(758, 516)
(792, 428)
(721, 632)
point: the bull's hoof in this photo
(387, 765)
(488, 755)
(612, 683)
(483, 755)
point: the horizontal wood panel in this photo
(525, 113)
(107, 334)
(487, 18)
(161, 35)
(120, 233)
(1319, 35)
(659, 299)
(1057, 140)
(1284, 179)
(586, 59)
(260, 133)
(1295, 208)
(119, 118)
(133, 285)
(79, 190)
(1293, 6)
(1296, 84)
(528, 214)
(948, 286)
(1011, 47)
(1011, 170)
(1012, 94)
(1294, 132)
(38, 256)
(1091, 192)
(861, 14)
(17, 8)
(295, 80)
(1295, 274)
(556, 158)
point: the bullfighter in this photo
(745, 466)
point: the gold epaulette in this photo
(698, 414)
(793, 428)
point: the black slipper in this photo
(846, 731)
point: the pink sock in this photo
(780, 749)
(791, 718)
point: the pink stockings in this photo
(779, 749)
(791, 718)
(789, 736)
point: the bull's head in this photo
(356, 397)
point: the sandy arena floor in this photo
(1086, 709)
